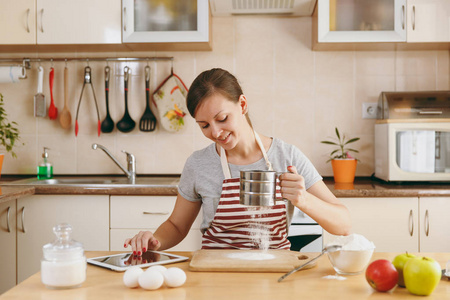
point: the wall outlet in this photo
(369, 110)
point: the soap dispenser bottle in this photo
(45, 168)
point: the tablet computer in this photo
(123, 261)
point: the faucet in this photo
(131, 162)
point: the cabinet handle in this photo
(7, 219)
(427, 223)
(124, 19)
(403, 17)
(413, 17)
(155, 213)
(28, 17)
(42, 20)
(23, 218)
(411, 223)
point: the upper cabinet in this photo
(78, 22)
(171, 21)
(17, 22)
(381, 21)
(428, 21)
(361, 21)
(104, 25)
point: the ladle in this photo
(108, 123)
(65, 119)
(330, 248)
(126, 124)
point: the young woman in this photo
(210, 179)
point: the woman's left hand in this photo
(293, 187)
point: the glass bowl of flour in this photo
(354, 255)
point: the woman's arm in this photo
(318, 202)
(171, 232)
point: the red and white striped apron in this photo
(237, 226)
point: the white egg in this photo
(174, 277)
(151, 280)
(159, 268)
(130, 277)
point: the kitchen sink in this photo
(102, 181)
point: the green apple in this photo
(399, 263)
(422, 275)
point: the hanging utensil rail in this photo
(26, 62)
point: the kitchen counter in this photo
(362, 187)
(307, 284)
(367, 187)
(8, 193)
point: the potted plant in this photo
(343, 164)
(9, 133)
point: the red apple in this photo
(382, 275)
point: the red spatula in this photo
(52, 110)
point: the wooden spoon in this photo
(65, 118)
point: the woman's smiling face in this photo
(221, 120)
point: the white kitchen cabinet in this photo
(154, 21)
(392, 224)
(17, 22)
(78, 22)
(434, 224)
(359, 21)
(368, 21)
(428, 21)
(38, 214)
(131, 214)
(401, 224)
(8, 242)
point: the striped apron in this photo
(237, 226)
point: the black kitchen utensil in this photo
(148, 119)
(108, 123)
(126, 124)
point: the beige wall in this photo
(295, 94)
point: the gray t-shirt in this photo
(202, 176)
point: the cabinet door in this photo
(391, 223)
(17, 22)
(343, 21)
(8, 248)
(131, 214)
(192, 242)
(78, 22)
(155, 21)
(428, 21)
(38, 214)
(434, 224)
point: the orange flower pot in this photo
(1, 162)
(344, 170)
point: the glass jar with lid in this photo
(64, 263)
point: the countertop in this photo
(306, 284)
(362, 187)
(8, 193)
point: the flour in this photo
(353, 242)
(259, 232)
(251, 255)
(337, 277)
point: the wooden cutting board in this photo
(249, 260)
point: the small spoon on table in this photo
(330, 248)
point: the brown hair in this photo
(213, 81)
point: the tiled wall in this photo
(295, 94)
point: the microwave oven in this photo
(412, 137)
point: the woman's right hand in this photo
(142, 242)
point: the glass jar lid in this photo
(63, 248)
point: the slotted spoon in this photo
(148, 119)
